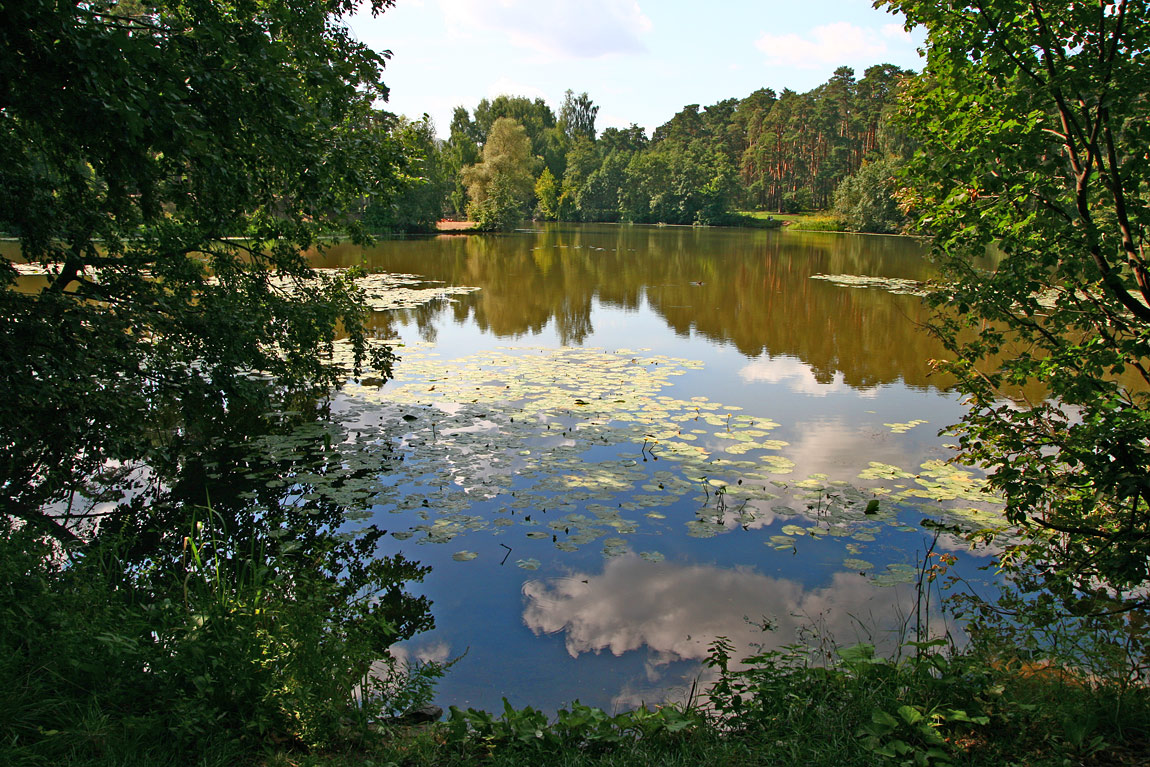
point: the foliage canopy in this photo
(166, 164)
(1033, 120)
(501, 186)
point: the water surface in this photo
(632, 440)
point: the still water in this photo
(622, 442)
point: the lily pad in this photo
(894, 285)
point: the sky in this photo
(641, 61)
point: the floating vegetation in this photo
(903, 428)
(383, 291)
(37, 269)
(895, 574)
(386, 291)
(896, 285)
(884, 471)
(579, 446)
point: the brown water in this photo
(750, 289)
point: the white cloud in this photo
(837, 43)
(897, 32)
(587, 30)
(509, 87)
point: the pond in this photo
(621, 442)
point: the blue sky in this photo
(641, 61)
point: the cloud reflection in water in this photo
(676, 611)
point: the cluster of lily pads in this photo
(587, 446)
(581, 447)
(896, 285)
(385, 290)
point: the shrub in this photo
(233, 648)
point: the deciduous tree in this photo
(500, 188)
(577, 116)
(166, 164)
(866, 201)
(1033, 120)
(547, 193)
(414, 203)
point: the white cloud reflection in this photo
(675, 612)
(421, 652)
(797, 376)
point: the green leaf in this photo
(910, 714)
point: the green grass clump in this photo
(817, 223)
(800, 222)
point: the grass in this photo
(818, 221)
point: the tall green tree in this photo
(416, 201)
(166, 165)
(463, 149)
(577, 116)
(1033, 122)
(582, 160)
(547, 193)
(630, 139)
(867, 201)
(502, 186)
(797, 148)
(534, 115)
(598, 199)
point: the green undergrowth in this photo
(217, 651)
(934, 708)
(752, 219)
(817, 223)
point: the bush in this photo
(866, 201)
(237, 649)
(499, 211)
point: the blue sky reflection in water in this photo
(632, 440)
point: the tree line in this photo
(513, 157)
